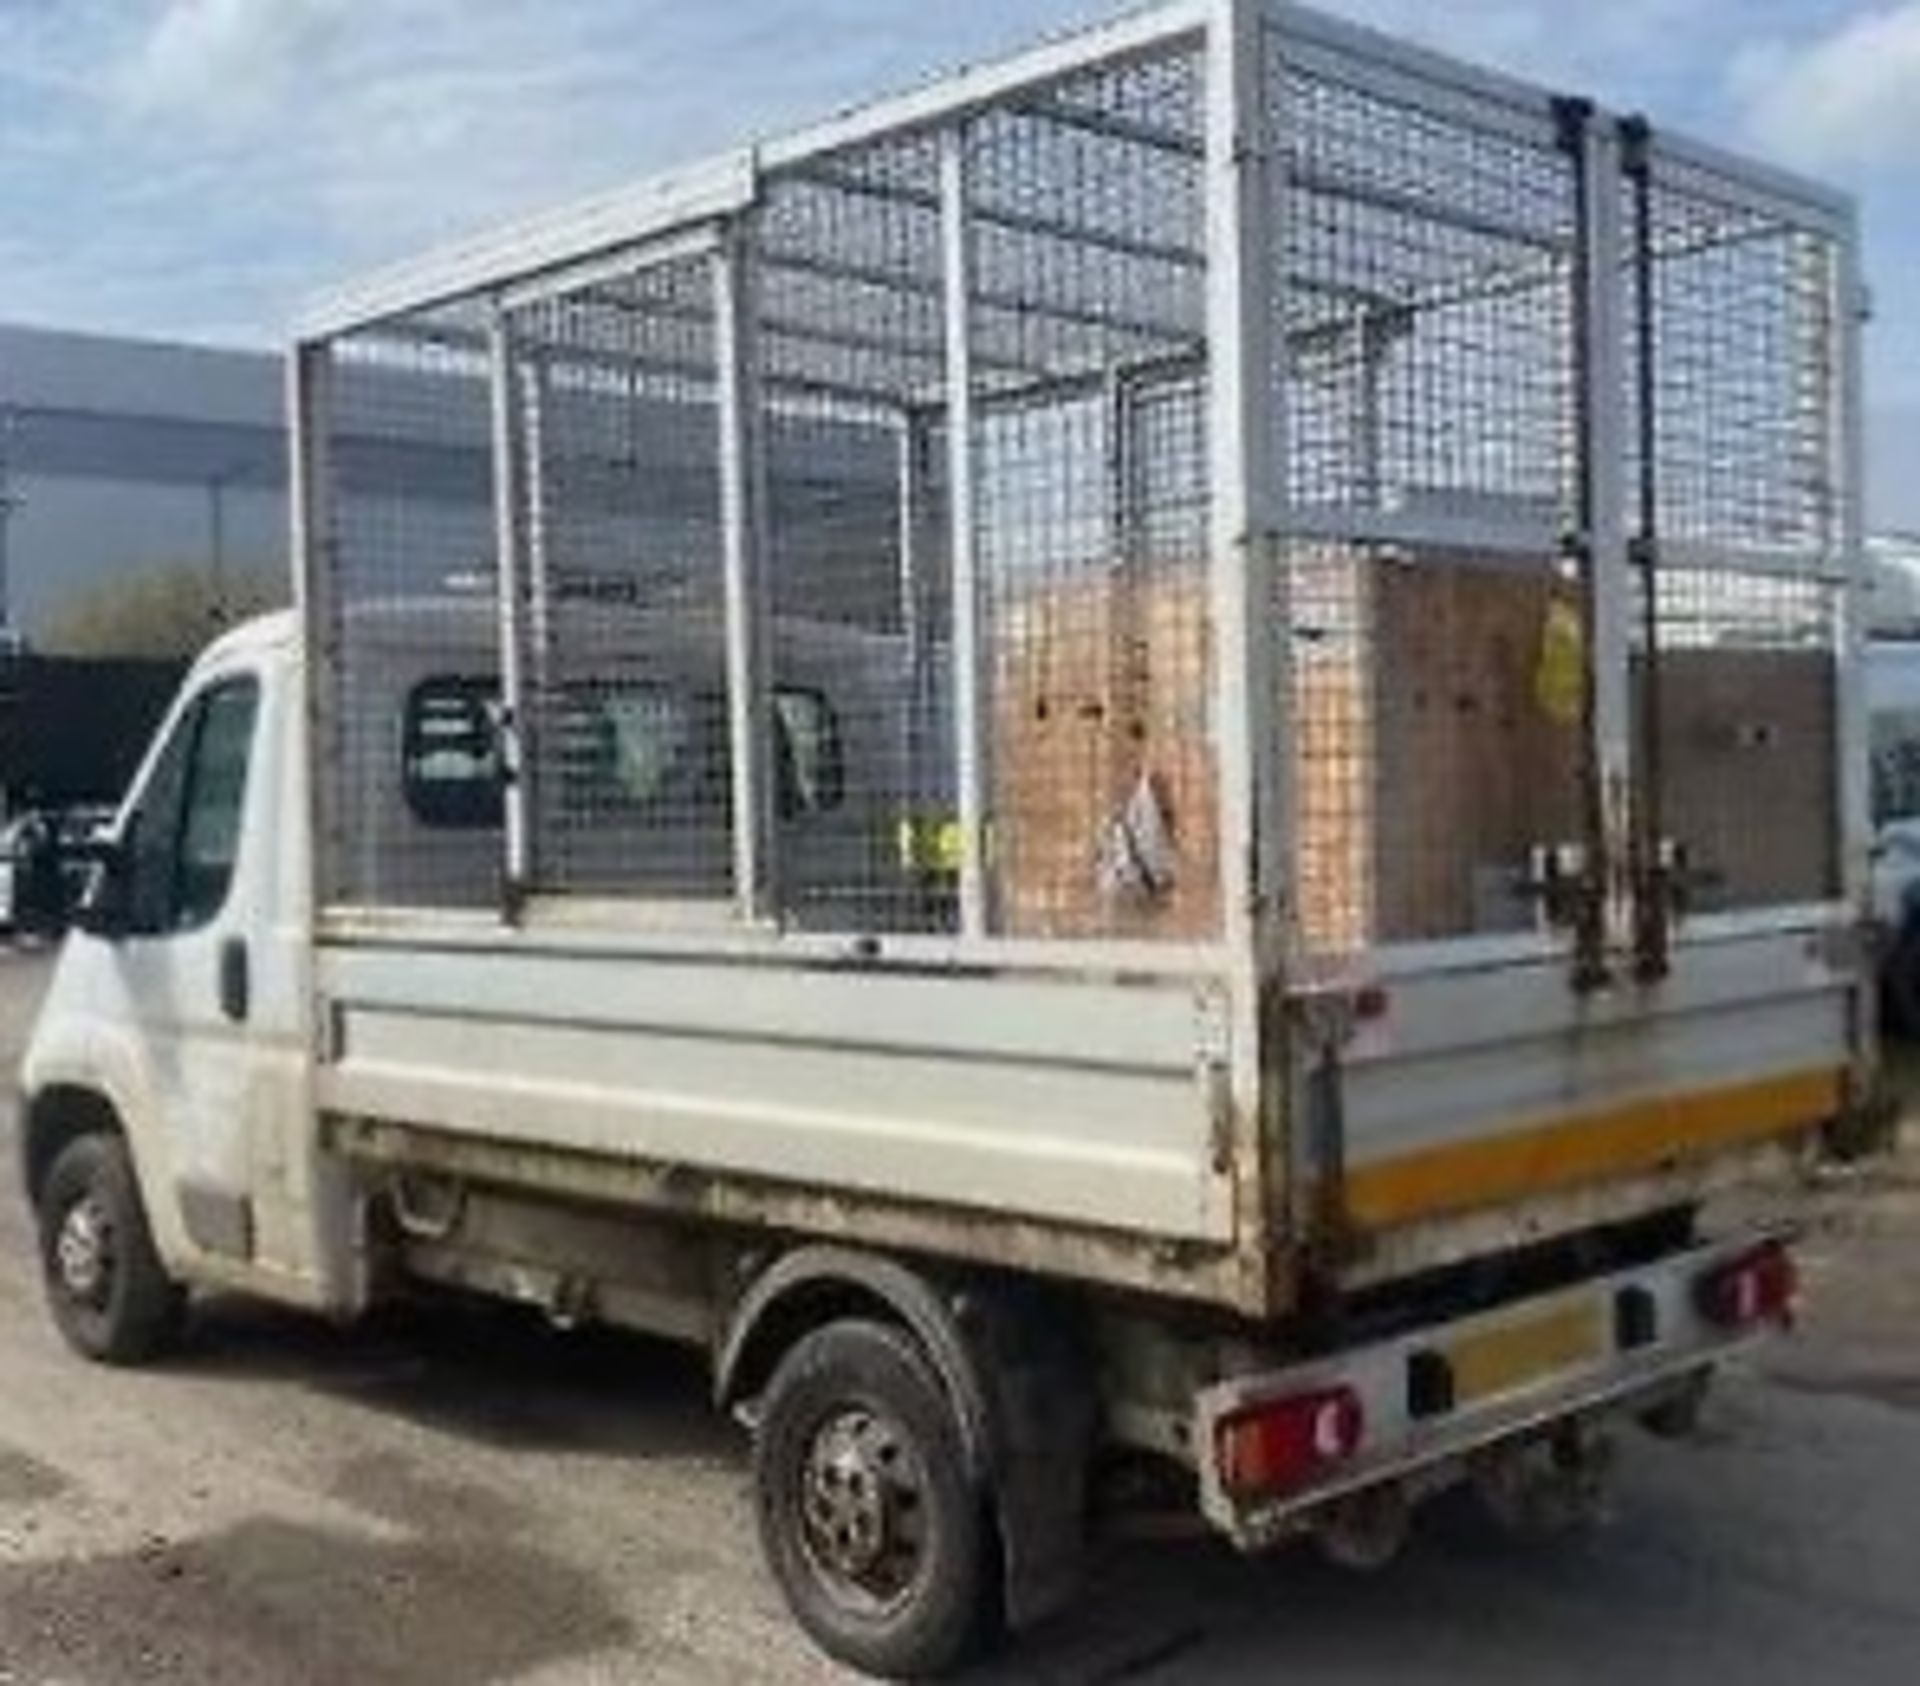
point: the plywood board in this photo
(1748, 772)
(1427, 765)
(1472, 767)
(1100, 685)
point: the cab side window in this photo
(185, 835)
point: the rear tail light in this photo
(1282, 1444)
(1762, 1286)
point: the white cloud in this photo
(1628, 52)
(197, 165)
(1847, 99)
(215, 59)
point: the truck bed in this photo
(1082, 1126)
(1084, 1119)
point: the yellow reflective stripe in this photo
(1645, 1136)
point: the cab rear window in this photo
(641, 749)
(450, 753)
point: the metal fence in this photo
(841, 547)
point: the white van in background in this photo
(1893, 706)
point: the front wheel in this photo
(110, 1295)
(867, 1516)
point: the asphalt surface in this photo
(463, 1499)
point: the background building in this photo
(125, 459)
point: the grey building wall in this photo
(127, 455)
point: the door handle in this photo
(236, 983)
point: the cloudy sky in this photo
(195, 167)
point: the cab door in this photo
(197, 897)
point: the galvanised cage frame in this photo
(1225, 301)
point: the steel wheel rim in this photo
(862, 1510)
(83, 1251)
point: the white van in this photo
(1039, 839)
(1893, 707)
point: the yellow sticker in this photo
(929, 844)
(1559, 684)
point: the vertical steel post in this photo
(1850, 310)
(1612, 583)
(308, 402)
(1854, 794)
(970, 749)
(1245, 346)
(508, 498)
(1649, 872)
(1604, 905)
(743, 540)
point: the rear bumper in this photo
(1615, 1365)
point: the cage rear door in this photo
(1562, 577)
(1740, 552)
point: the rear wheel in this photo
(867, 1517)
(110, 1295)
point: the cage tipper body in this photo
(1224, 650)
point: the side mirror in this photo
(105, 907)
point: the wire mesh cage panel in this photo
(718, 482)
(834, 542)
(408, 756)
(1087, 308)
(617, 491)
(1424, 278)
(1734, 398)
(1744, 373)
(851, 369)
(1746, 728)
(1437, 748)
(1426, 264)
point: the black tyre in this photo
(111, 1297)
(867, 1516)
